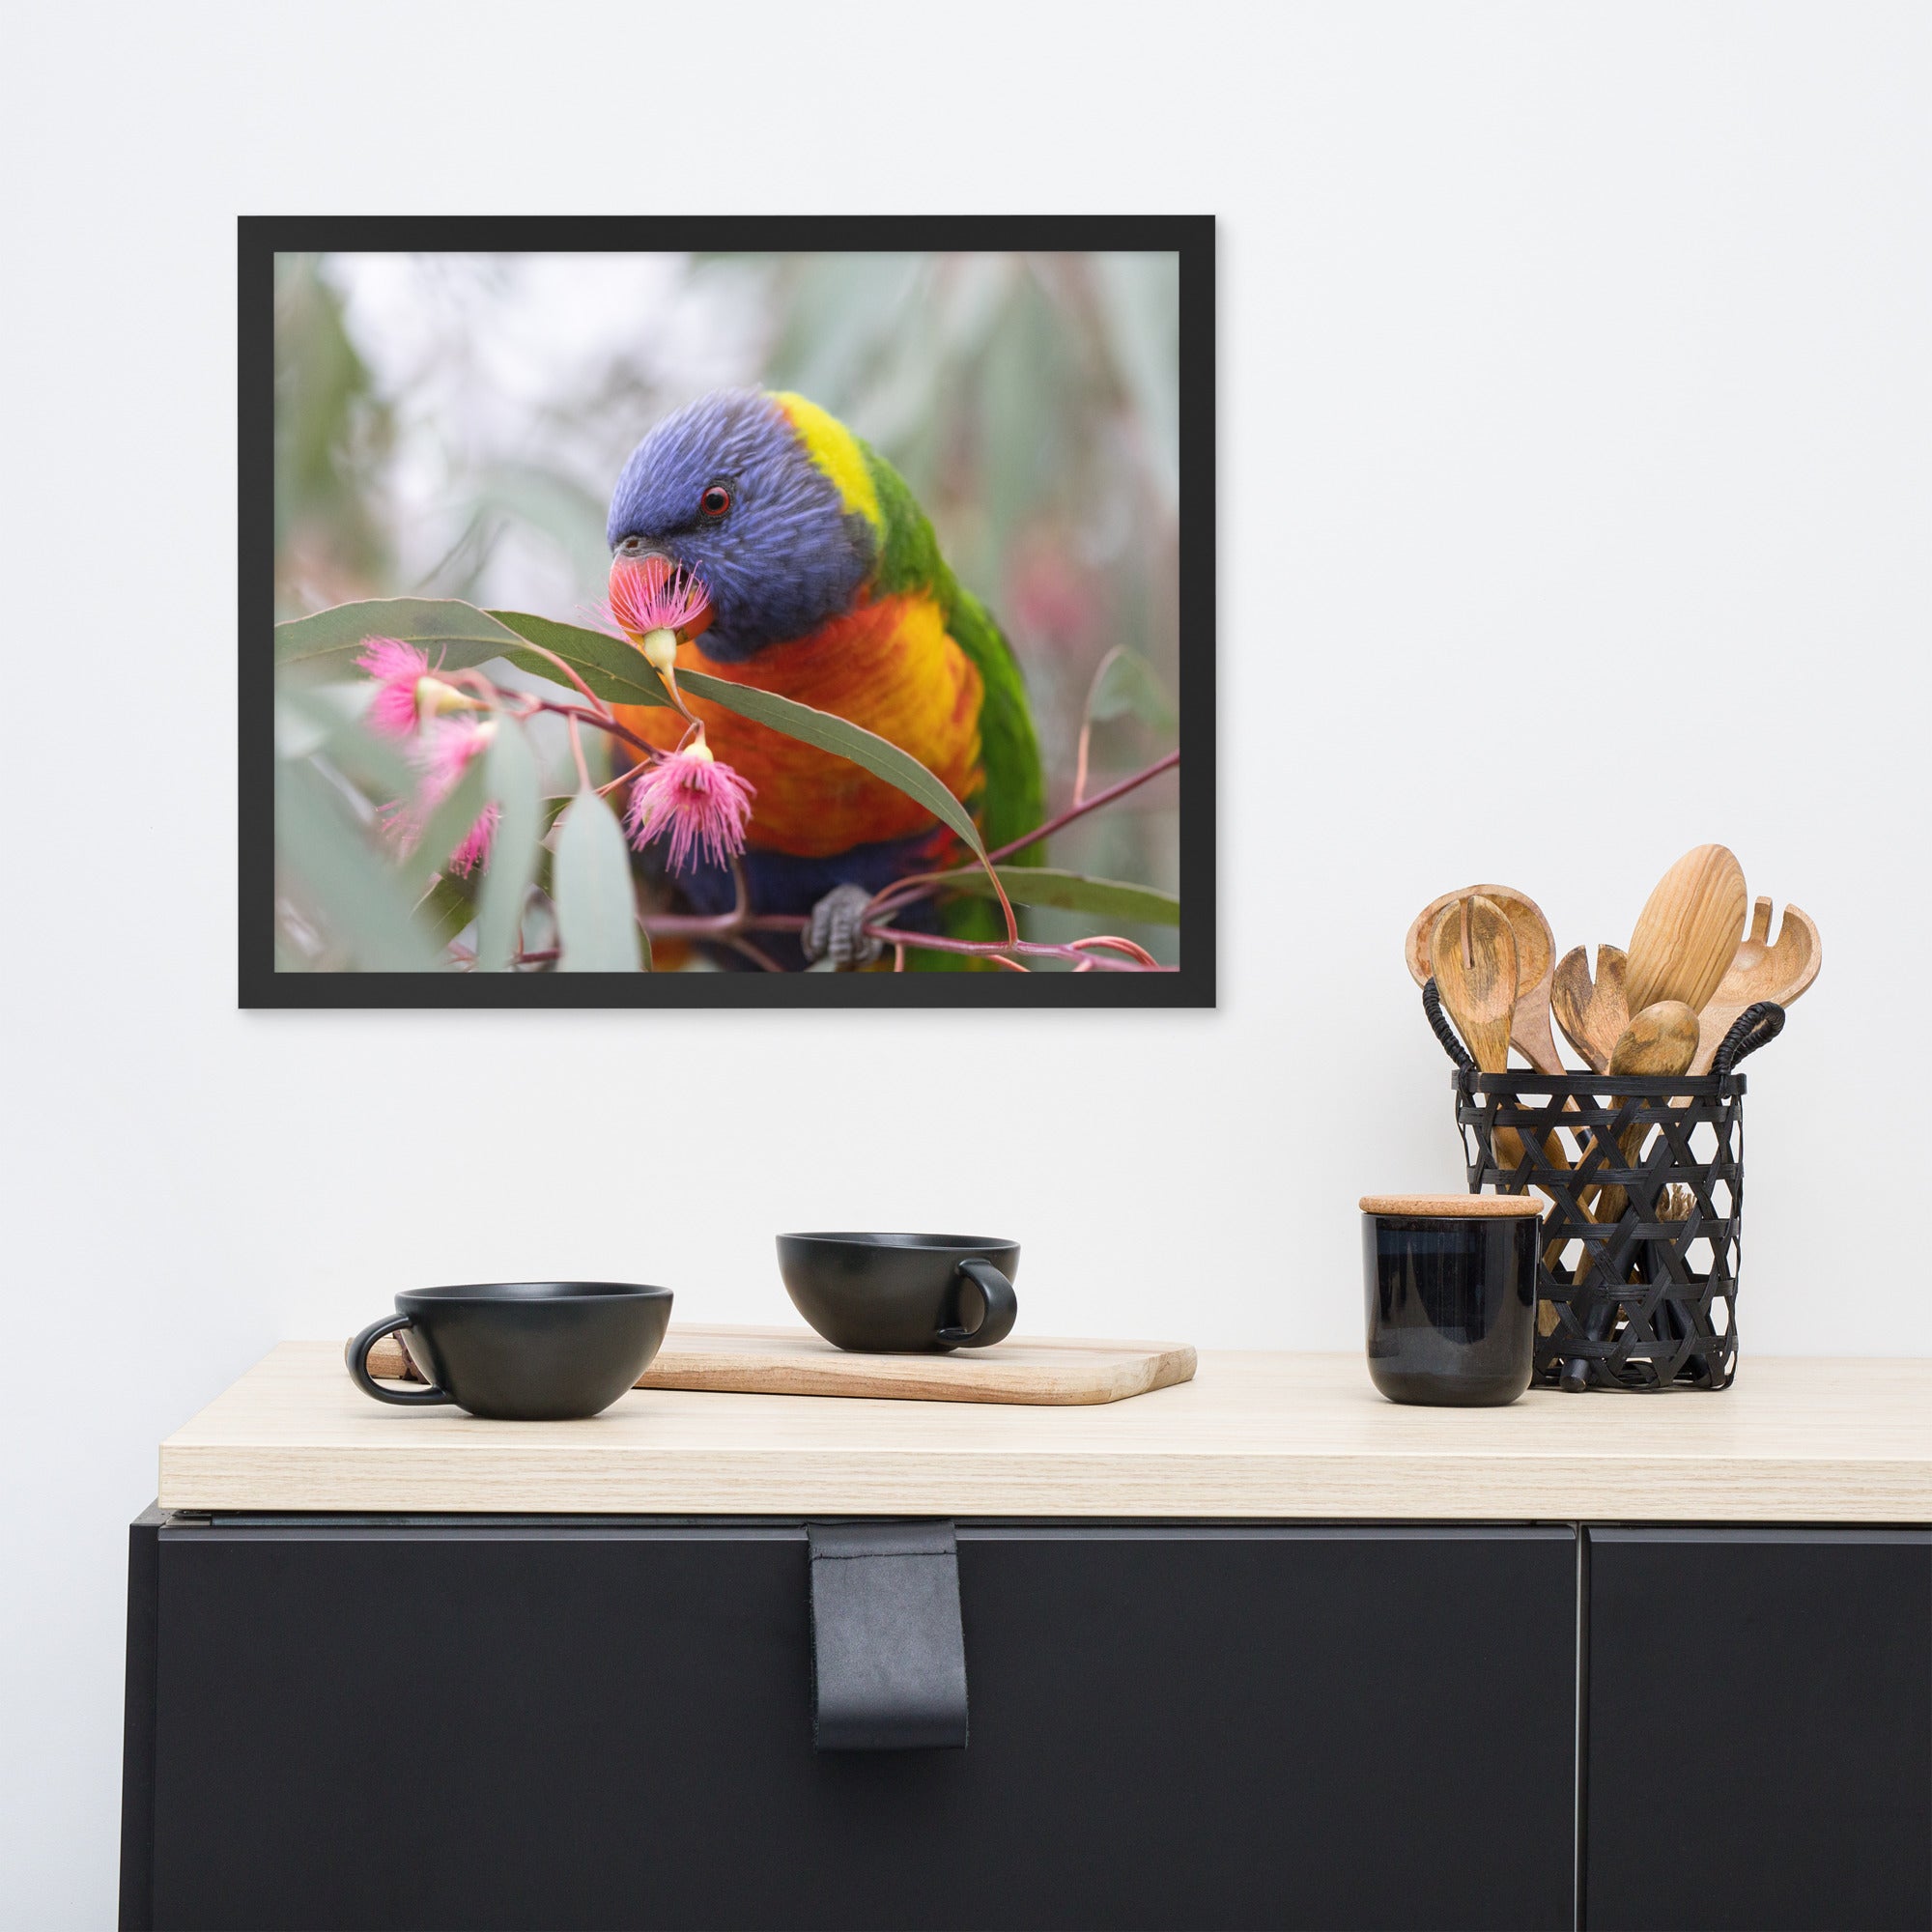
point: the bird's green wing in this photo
(1014, 800)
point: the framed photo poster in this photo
(727, 612)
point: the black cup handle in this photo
(356, 1355)
(1002, 1307)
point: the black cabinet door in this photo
(1760, 1729)
(554, 1725)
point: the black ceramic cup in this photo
(1451, 1288)
(521, 1350)
(902, 1295)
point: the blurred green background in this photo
(451, 425)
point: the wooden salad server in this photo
(1760, 969)
(1593, 1014)
(1535, 963)
(1473, 958)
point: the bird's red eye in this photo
(715, 501)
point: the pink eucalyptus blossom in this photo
(397, 668)
(704, 807)
(444, 757)
(473, 848)
(448, 750)
(651, 593)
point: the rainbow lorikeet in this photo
(826, 585)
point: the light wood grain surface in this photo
(1252, 1434)
(1454, 1206)
(794, 1361)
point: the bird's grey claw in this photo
(836, 930)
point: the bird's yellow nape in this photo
(836, 451)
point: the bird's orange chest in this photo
(890, 667)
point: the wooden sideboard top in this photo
(1253, 1434)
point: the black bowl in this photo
(522, 1350)
(900, 1294)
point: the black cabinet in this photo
(1760, 1729)
(607, 1723)
(557, 1722)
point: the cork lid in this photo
(1456, 1206)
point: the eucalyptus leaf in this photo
(1071, 892)
(1127, 684)
(458, 637)
(878, 755)
(456, 634)
(330, 865)
(615, 671)
(377, 767)
(561, 509)
(445, 909)
(553, 809)
(306, 719)
(591, 885)
(511, 781)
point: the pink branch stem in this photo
(1087, 805)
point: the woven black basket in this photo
(1647, 1300)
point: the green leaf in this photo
(333, 639)
(590, 882)
(458, 637)
(325, 721)
(1127, 684)
(616, 671)
(332, 865)
(882, 758)
(445, 909)
(1071, 892)
(511, 781)
(559, 508)
(553, 809)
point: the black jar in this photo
(1450, 1283)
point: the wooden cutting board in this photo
(794, 1361)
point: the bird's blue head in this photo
(766, 501)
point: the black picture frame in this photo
(261, 238)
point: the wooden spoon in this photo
(1687, 932)
(1760, 970)
(1535, 963)
(1472, 956)
(1593, 1016)
(1660, 1043)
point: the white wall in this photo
(1575, 420)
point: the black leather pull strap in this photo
(887, 1656)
